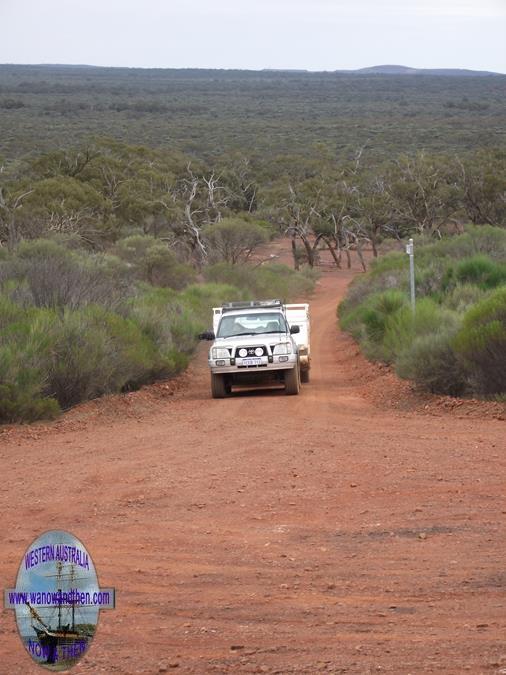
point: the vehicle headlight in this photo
(220, 353)
(259, 351)
(243, 353)
(283, 348)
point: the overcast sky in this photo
(255, 34)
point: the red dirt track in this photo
(356, 528)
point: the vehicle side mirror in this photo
(207, 335)
(294, 329)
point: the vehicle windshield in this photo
(251, 324)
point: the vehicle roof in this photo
(254, 310)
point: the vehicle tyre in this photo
(292, 381)
(304, 376)
(218, 388)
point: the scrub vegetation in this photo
(216, 113)
(455, 342)
(76, 324)
(133, 200)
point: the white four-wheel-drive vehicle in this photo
(259, 343)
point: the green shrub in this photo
(380, 307)
(367, 321)
(23, 352)
(233, 239)
(463, 296)
(95, 352)
(9, 313)
(429, 278)
(199, 298)
(452, 275)
(26, 344)
(352, 319)
(403, 327)
(42, 249)
(481, 344)
(239, 276)
(431, 362)
(278, 281)
(151, 311)
(152, 261)
(55, 277)
(392, 277)
(477, 239)
(265, 281)
(488, 240)
(479, 270)
(391, 262)
(19, 404)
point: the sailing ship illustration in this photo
(67, 641)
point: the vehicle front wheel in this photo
(218, 388)
(292, 381)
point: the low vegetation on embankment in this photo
(75, 325)
(455, 342)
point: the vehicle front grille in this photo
(251, 351)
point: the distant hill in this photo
(405, 70)
(387, 69)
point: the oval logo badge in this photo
(57, 600)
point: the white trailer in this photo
(298, 315)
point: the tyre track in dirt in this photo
(262, 533)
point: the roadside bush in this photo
(279, 281)
(488, 240)
(429, 278)
(234, 239)
(478, 270)
(392, 262)
(9, 313)
(463, 296)
(152, 311)
(24, 347)
(96, 352)
(476, 239)
(366, 320)
(403, 327)
(265, 281)
(75, 325)
(199, 298)
(380, 307)
(352, 320)
(57, 277)
(23, 403)
(391, 277)
(461, 275)
(151, 260)
(239, 276)
(481, 344)
(431, 362)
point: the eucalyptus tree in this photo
(482, 181)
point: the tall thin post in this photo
(410, 250)
(59, 609)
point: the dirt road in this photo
(355, 528)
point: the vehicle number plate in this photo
(252, 362)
